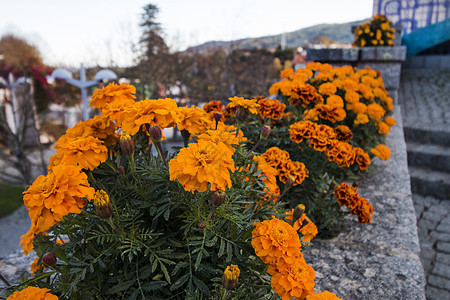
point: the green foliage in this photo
(10, 198)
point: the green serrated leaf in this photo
(121, 286)
(182, 280)
(154, 285)
(164, 270)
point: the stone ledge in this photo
(379, 260)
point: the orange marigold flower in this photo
(301, 130)
(247, 104)
(295, 170)
(359, 108)
(362, 158)
(286, 72)
(381, 151)
(201, 164)
(294, 280)
(351, 97)
(86, 153)
(321, 137)
(304, 94)
(323, 296)
(276, 242)
(383, 128)
(375, 111)
(103, 129)
(276, 157)
(214, 106)
(35, 267)
(363, 209)
(224, 134)
(335, 101)
(268, 174)
(346, 195)
(33, 293)
(113, 93)
(361, 119)
(341, 153)
(390, 121)
(343, 133)
(152, 112)
(270, 108)
(330, 113)
(303, 225)
(53, 196)
(193, 119)
(327, 88)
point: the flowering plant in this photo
(332, 120)
(118, 217)
(378, 31)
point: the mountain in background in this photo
(340, 33)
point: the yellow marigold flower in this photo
(362, 158)
(201, 164)
(276, 242)
(335, 101)
(381, 151)
(351, 97)
(270, 108)
(359, 108)
(303, 225)
(327, 88)
(301, 130)
(390, 121)
(33, 293)
(86, 153)
(153, 112)
(343, 133)
(247, 104)
(214, 106)
(295, 170)
(294, 280)
(193, 119)
(323, 296)
(111, 93)
(383, 128)
(330, 113)
(341, 153)
(361, 119)
(375, 111)
(286, 73)
(321, 137)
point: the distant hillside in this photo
(336, 32)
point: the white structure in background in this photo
(83, 84)
(12, 108)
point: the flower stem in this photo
(256, 146)
(4, 280)
(159, 149)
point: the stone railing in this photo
(379, 260)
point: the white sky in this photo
(100, 31)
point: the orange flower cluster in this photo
(343, 133)
(249, 105)
(33, 293)
(268, 176)
(270, 108)
(225, 134)
(285, 168)
(346, 195)
(378, 31)
(381, 151)
(202, 164)
(303, 225)
(193, 119)
(213, 106)
(53, 196)
(341, 153)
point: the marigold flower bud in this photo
(126, 144)
(218, 198)
(102, 204)
(155, 133)
(241, 114)
(49, 259)
(355, 184)
(201, 225)
(290, 182)
(217, 117)
(324, 193)
(230, 277)
(298, 212)
(121, 169)
(265, 132)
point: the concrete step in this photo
(434, 157)
(428, 134)
(427, 182)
